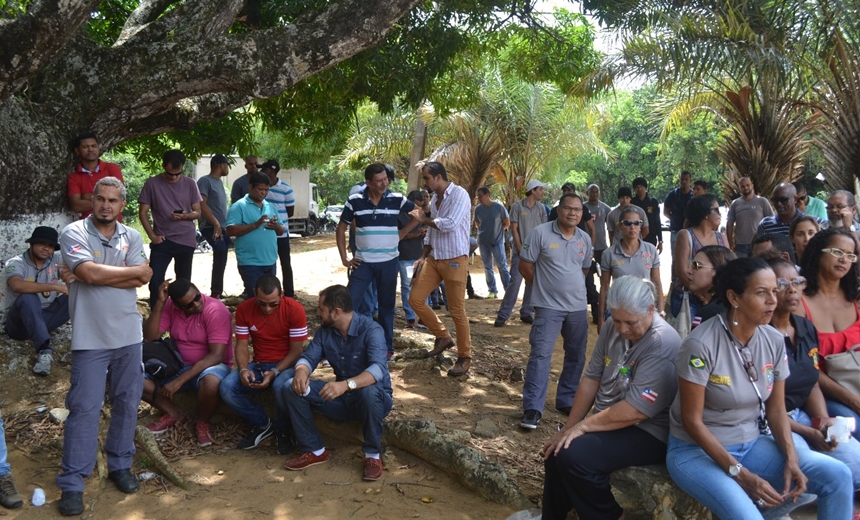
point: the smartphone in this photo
(178, 211)
(258, 374)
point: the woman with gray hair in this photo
(630, 382)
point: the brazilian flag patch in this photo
(697, 362)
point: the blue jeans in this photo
(123, 369)
(495, 253)
(384, 275)
(573, 327)
(369, 405)
(512, 291)
(251, 273)
(743, 250)
(219, 259)
(837, 409)
(238, 397)
(696, 473)
(847, 452)
(160, 256)
(405, 287)
(27, 319)
(5, 468)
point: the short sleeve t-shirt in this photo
(617, 262)
(651, 207)
(614, 220)
(746, 215)
(409, 248)
(599, 213)
(216, 200)
(22, 266)
(121, 325)
(83, 182)
(376, 232)
(559, 283)
(651, 364)
(271, 335)
(194, 333)
(527, 218)
(709, 357)
(164, 198)
(491, 230)
(802, 363)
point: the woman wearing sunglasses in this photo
(631, 256)
(801, 231)
(703, 215)
(731, 396)
(807, 411)
(830, 303)
(701, 274)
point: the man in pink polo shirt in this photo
(201, 328)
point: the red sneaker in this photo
(306, 460)
(165, 422)
(372, 469)
(203, 437)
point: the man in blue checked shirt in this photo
(375, 211)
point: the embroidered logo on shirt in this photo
(649, 395)
(696, 322)
(254, 328)
(813, 353)
(721, 380)
(606, 361)
(525, 247)
(10, 268)
(697, 362)
(553, 246)
(768, 374)
(73, 249)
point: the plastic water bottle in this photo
(38, 497)
(623, 381)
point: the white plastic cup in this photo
(409, 271)
(841, 429)
(38, 497)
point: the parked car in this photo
(333, 213)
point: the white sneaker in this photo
(43, 363)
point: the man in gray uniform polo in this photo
(555, 260)
(106, 264)
(525, 215)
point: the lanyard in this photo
(762, 419)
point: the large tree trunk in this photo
(170, 69)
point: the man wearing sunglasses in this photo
(784, 203)
(200, 327)
(278, 327)
(175, 203)
(809, 204)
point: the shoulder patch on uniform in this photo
(10, 268)
(697, 362)
(525, 247)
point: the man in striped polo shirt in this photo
(281, 197)
(375, 212)
(784, 202)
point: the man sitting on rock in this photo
(200, 327)
(278, 327)
(355, 346)
(37, 300)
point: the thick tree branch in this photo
(31, 41)
(147, 12)
(194, 20)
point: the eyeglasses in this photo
(269, 305)
(782, 284)
(780, 200)
(803, 199)
(696, 265)
(631, 223)
(840, 207)
(838, 253)
(190, 305)
(749, 366)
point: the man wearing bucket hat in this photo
(37, 300)
(525, 215)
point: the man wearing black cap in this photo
(213, 222)
(37, 300)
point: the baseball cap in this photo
(218, 159)
(271, 163)
(534, 183)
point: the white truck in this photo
(305, 220)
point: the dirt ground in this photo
(230, 482)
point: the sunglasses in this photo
(749, 366)
(838, 253)
(780, 200)
(630, 223)
(803, 199)
(190, 305)
(696, 265)
(782, 284)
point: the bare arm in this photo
(515, 233)
(21, 286)
(237, 230)
(646, 229)
(113, 276)
(658, 283)
(151, 330)
(527, 269)
(605, 280)
(340, 238)
(143, 217)
(834, 390)
(506, 223)
(591, 231)
(730, 234)
(207, 214)
(681, 257)
(81, 202)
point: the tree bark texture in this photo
(168, 70)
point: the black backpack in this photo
(161, 358)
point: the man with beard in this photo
(107, 264)
(745, 213)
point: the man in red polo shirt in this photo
(278, 327)
(80, 184)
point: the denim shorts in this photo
(220, 371)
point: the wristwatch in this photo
(276, 371)
(351, 384)
(735, 470)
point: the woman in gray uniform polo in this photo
(731, 396)
(630, 382)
